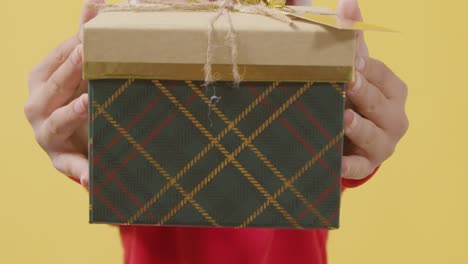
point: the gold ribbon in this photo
(222, 72)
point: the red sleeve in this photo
(349, 183)
(74, 179)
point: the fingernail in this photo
(79, 106)
(360, 64)
(76, 56)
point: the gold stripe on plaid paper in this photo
(226, 153)
(155, 164)
(256, 151)
(202, 153)
(230, 157)
(112, 98)
(294, 178)
(339, 89)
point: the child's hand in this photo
(377, 120)
(57, 108)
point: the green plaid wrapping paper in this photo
(267, 154)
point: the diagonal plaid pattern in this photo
(267, 154)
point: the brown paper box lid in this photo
(117, 42)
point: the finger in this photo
(379, 74)
(40, 103)
(44, 69)
(371, 141)
(369, 101)
(79, 139)
(73, 165)
(356, 167)
(63, 122)
(62, 84)
(82, 89)
(349, 9)
(87, 14)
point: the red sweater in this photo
(148, 244)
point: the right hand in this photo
(57, 107)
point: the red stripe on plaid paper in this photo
(321, 161)
(337, 212)
(110, 176)
(312, 119)
(111, 207)
(346, 183)
(334, 215)
(115, 171)
(318, 200)
(134, 121)
(296, 134)
(324, 132)
(307, 146)
(165, 123)
(123, 189)
(129, 126)
(117, 137)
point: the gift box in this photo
(169, 147)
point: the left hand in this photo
(57, 109)
(377, 119)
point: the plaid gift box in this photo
(167, 150)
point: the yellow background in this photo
(414, 211)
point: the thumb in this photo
(87, 14)
(356, 167)
(349, 9)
